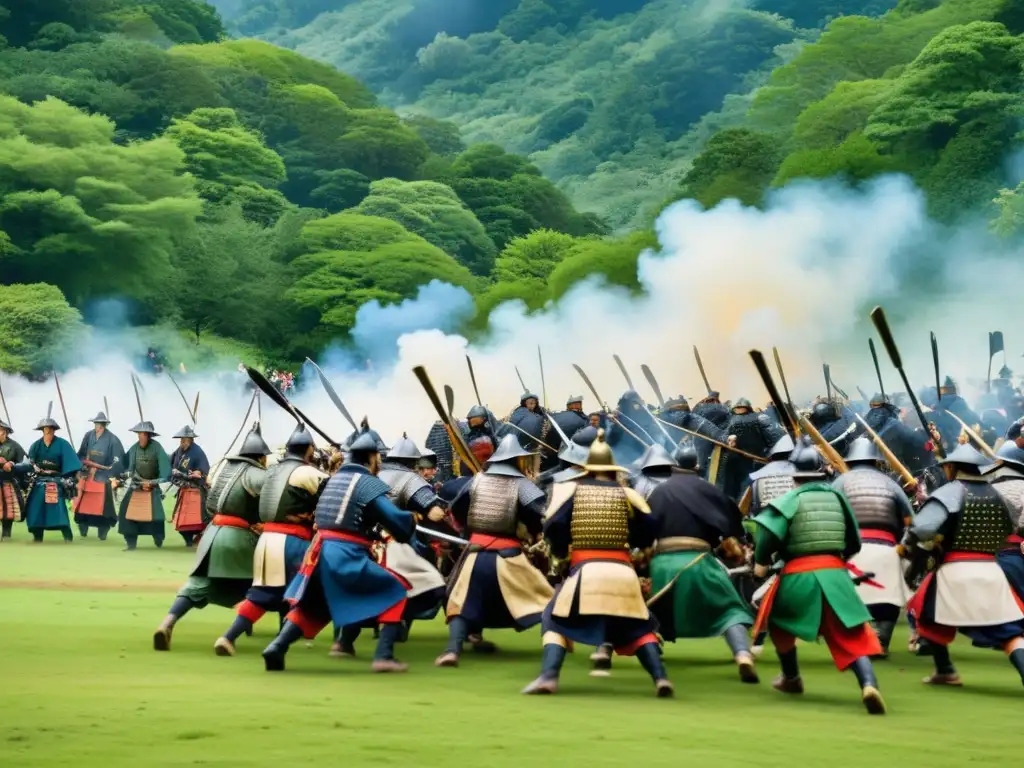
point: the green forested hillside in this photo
(610, 98)
(247, 194)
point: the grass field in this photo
(80, 685)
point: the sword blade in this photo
(472, 378)
(654, 384)
(333, 395)
(625, 374)
(442, 536)
(278, 397)
(878, 370)
(449, 400)
(700, 367)
(543, 384)
(191, 415)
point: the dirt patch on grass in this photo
(90, 585)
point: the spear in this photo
(882, 326)
(654, 385)
(138, 400)
(449, 398)
(625, 374)
(523, 383)
(543, 384)
(454, 433)
(60, 396)
(191, 414)
(106, 406)
(195, 410)
(604, 405)
(278, 397)
(785, 388)
(4, 403)
(935, 360)
(878, 371)
(700, 366)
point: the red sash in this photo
(290, 529)
(486, 541)
(230, 521)
(877, 536)
(584, 555)
(803, 564)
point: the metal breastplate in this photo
(984, 522)
(818, 527)
(871, 499)
(228, 496)
(1012, 492)
(772, 487)
(600, 517)
(147, 465)
(404, 483)
(494, 502)
(274, 490)
(343, 503)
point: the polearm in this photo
(329, 389)
(195, 410)
(604, 405)
(138, 400)
(60, 396)
(245, 420)
(654, 385)
(723, 446)
(454, 433)
(785, 387)
(882, 326)
(106, 406)
(543, 384)
(878, 371)
(491, 418)
(625, 373)
(909, 480)
(191, 414)
(976, 438)
(700, 367)
(935, 360)
(773, 392)
(520, 377)
(3, 402)
(278, 397)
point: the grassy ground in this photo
(80, 685)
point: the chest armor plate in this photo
(343, 503)
(274, 490)
(147, 465)
(403, 484)
(493, 504)
(772, 487)
(871, 498)
(229, 497)
(818, 527)
(984, 523)
(600, 518)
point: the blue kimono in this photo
(47, 506)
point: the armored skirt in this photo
(142, 513)
(495, 586)
(94, 504)
(11, 502)
(46, 508)
(223, 571)
(878, 555)
(601, 602)
(815, 596)
(341, 582)
(693, 597)
(189, 508)
(969, 592)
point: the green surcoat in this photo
(698, 598)
(812, 519)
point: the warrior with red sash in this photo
(223, 570)
(290, 493)
(340, 580)
(882, 509)
(102, 457)
(189, 469)
(814, 531)
(598, 523)
(965, 523)
(142, 508)
(494, 584)
(12, 457)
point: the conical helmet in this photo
(863, 451)
(254, 446)
(476, 412)
(655, 456)
(508, 449)
(966, 456)
(601, 458)
(574, 400)
(184, 432)
(405, 449)
(6, 427)
(100, 418)
(1009, 453)
(145, 426)
(299, 440)
(742, 403)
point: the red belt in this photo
(583, 555)
(485, 541)
(877, 534)
(354, 538)
(290, 529)
(1013, 538)
(813, 563)
(231, 521)
(965, 557)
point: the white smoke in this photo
(801, 275)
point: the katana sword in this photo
(333, 395)
(700, 367)
(625, 374)
(654, 385)
(191, 415)
(442, 536)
